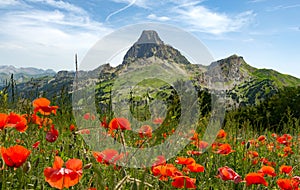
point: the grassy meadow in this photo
(43, 148)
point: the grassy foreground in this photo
(42, 148)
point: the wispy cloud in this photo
(282, 7)
(158, 18)
(121, 9)
(202, 19)
(257, 1)
(139, 3)
(5, 3)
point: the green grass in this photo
(70, 144)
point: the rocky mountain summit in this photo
(150, 45)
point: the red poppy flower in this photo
(221, 134)
(267, 170)
(104, 122)
(160, 160)
(145, 131)
(226, 173)
(36, 145)
(201, 144)
(252, 154)
(52, 134)
(261, 138)
(165, 171)
(17, 121)
(119, 123)
(15, 156)
(286, 169)
(255, 178)
(195, 167)
(185, 161)
(158, 121)
(287, 151)
(60, 177)
(284, 139)
(287, 184)
(225, 149)
(108, 156)
(3, 120)
(72, 127)
(42, 105)
(184, 182)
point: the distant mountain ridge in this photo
(22, 74)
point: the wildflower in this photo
(15, 156)
(72, 127)
(225, 149)
(42, 105)
(184, 182)
(17, 121)
(195, 167)
(252, 154)
(267, 170)
(145, 131)
(164, 171)
(3, 120)
(201, 145)
(52, 134)
(286, 169)
(160, 160)
(119, 123)
(60, 177)
(36, 144)
(104, 122)
(287, 151)
(87, 116)
(185, 161)
(108, 156)
(165, 135)
(274, 135)
(255, 178)
(222, 134)
(261, 138)
(284, 139)
(267, 162)
(158, 121)
(190, 164)
(226, 173)
(287, 184)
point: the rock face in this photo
(150, 45)
(149, 37)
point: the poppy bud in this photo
(26, 167)
(87, 166)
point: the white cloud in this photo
(202, 19)
(158, 18)
(139, 3)
(282, 7)
(5, 3)
(41, 36)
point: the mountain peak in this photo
(149, 36)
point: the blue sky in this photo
(47, 33)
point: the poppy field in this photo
(43, 148)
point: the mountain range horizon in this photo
(146, 37)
